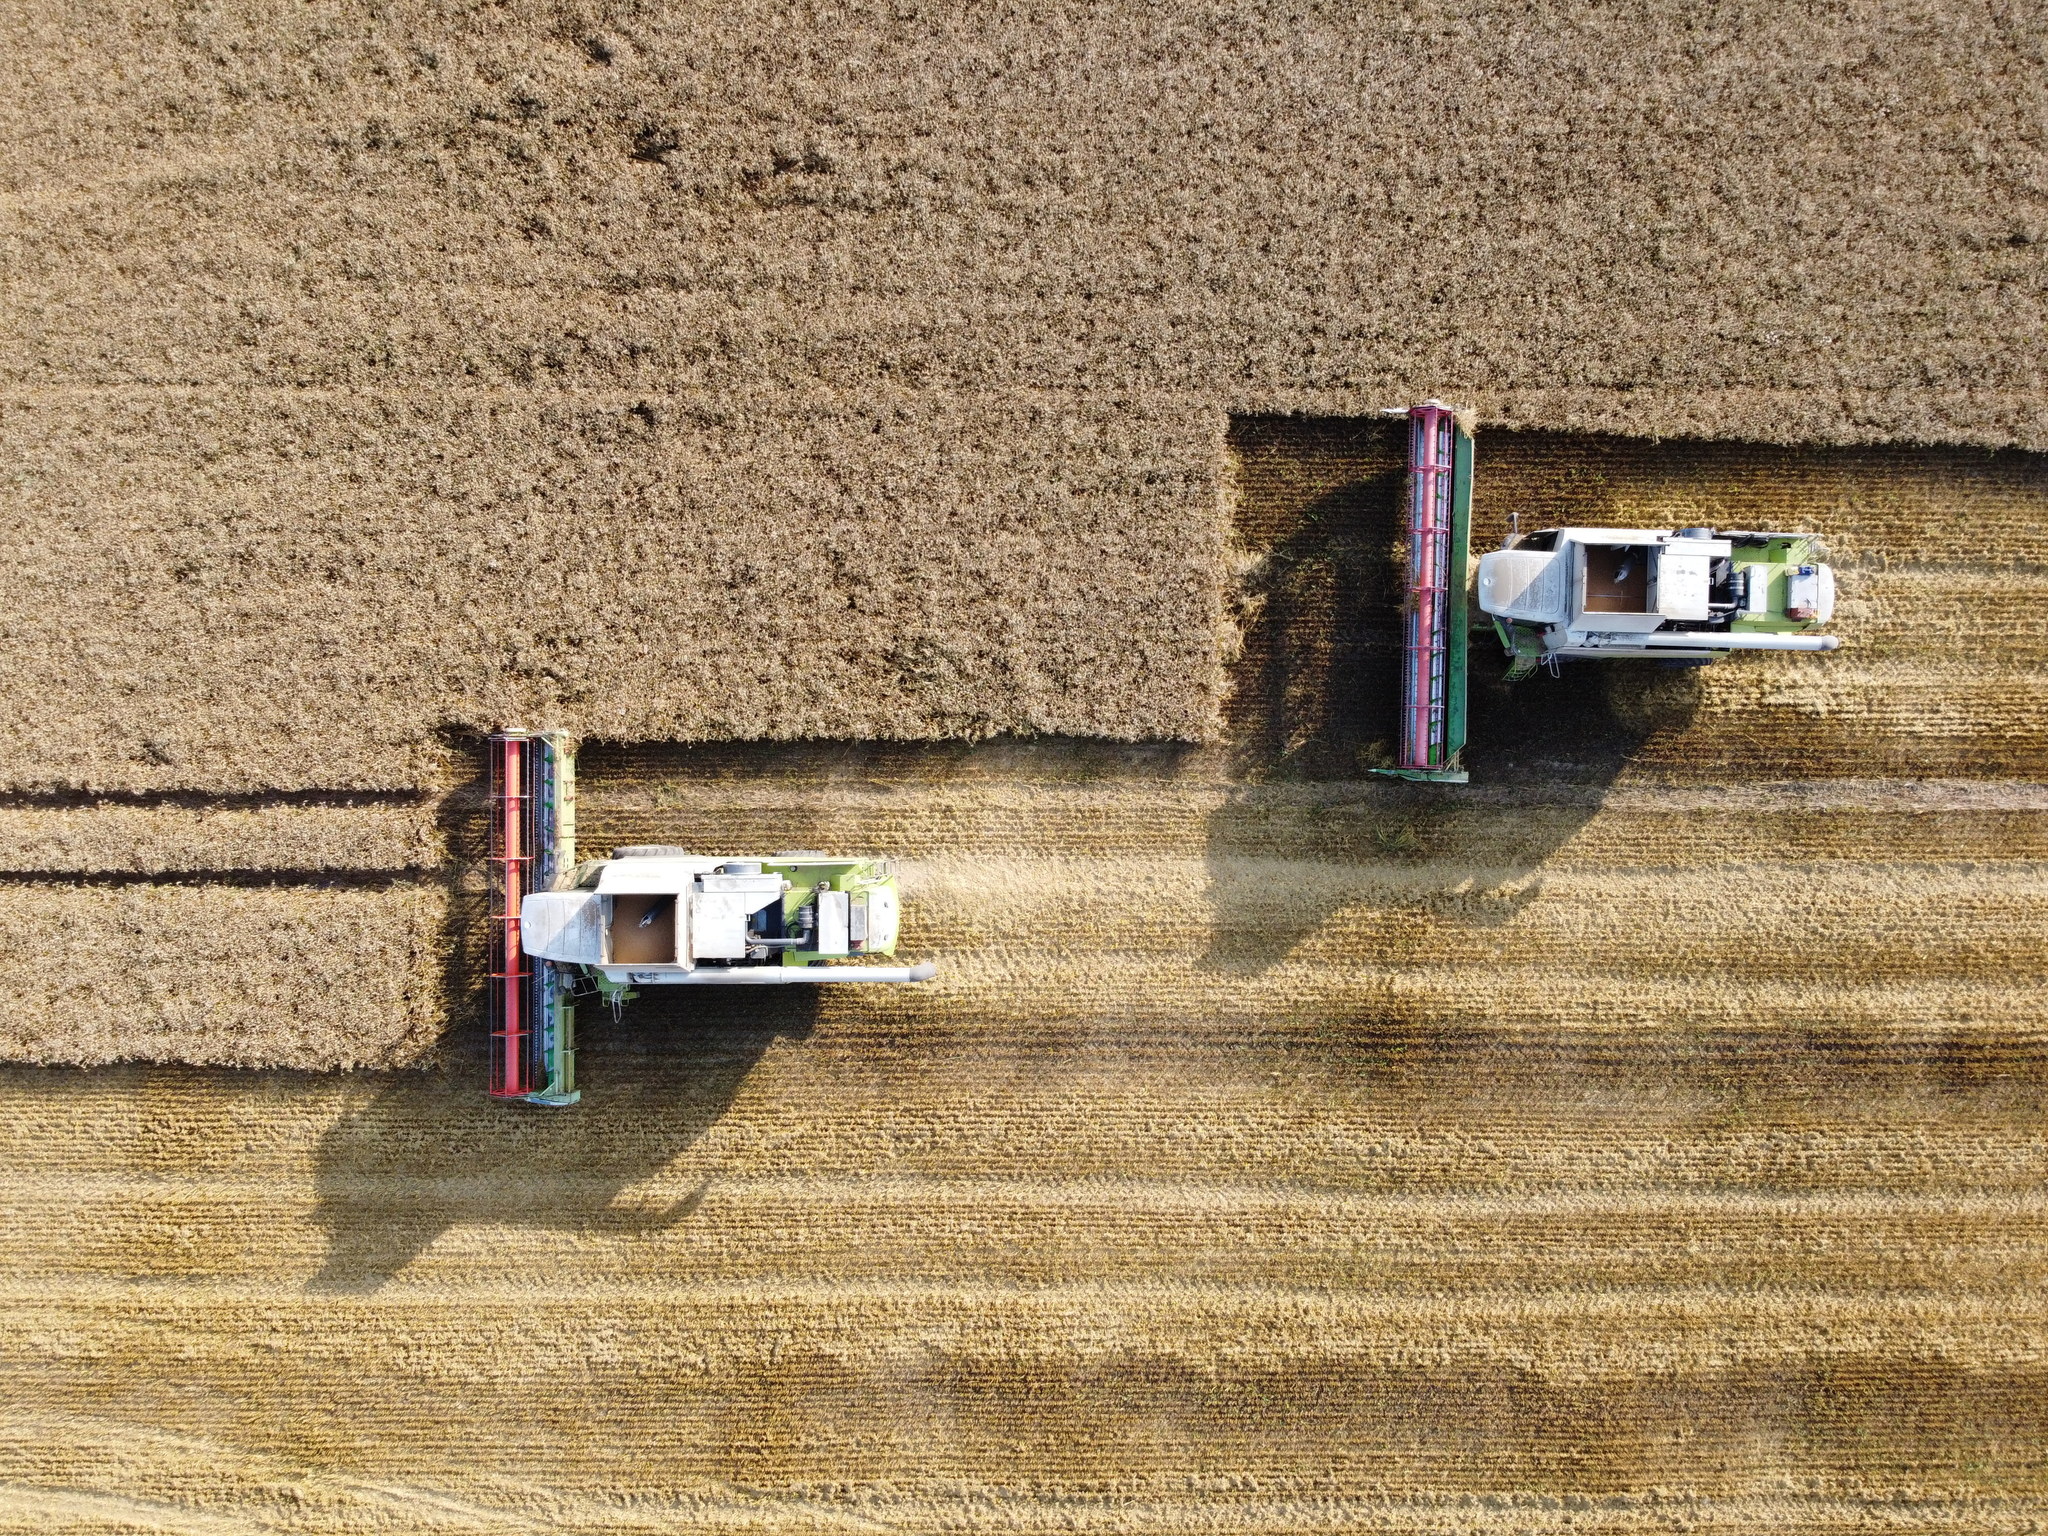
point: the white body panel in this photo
(639, 877)
(1529, 585)
(1689, 644)
(884, 918)
(1811, 587)
(1756, 591)
(781, 976)
(563, 925)
(1610, 624)
(718, 925)
(1678, 584)
(832, 923)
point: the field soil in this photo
(1646, 1136)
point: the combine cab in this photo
(1684, 594)
(649, 916)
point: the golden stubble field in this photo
(1648, 1136)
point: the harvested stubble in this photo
(1324, 1157)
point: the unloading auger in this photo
(648, 916)
(1674, 594)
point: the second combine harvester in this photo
(1671, 594)
(648, 916)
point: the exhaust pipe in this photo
(1665, 641)
(798, 975)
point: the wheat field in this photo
(1645, 1137)
(952, 431)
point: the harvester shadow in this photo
(1306, 830)
(1286, 854)
(425, 1152)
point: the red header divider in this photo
(510, 865)
(1425, 669)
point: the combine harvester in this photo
(1673, 594)
(648, 916)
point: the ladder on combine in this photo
(1437, 633)
(532, 844)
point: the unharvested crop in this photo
(146, 836)
(224, 974)
(340, 593)
(382, 371)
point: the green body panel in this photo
(615, 993)
(853, 876)
(557, 1021)
(1460, 619)
(1427, 775)
(1781, 557)
(558, 1044)
(564, 749)
(1523, 642)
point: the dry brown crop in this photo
(283, 593)
(377, 370)
(227, 975)
(158, 837)
(1778, 225)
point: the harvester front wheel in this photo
(650, 851)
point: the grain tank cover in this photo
(1526, 584)
(1683, 578)
(565, 926)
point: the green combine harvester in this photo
(1670, 594)
(649, 916)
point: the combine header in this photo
(649, 916)
(1433, 650)
(1672, 594)
(533, 844)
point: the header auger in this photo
(1672, 594)
(649, 916)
